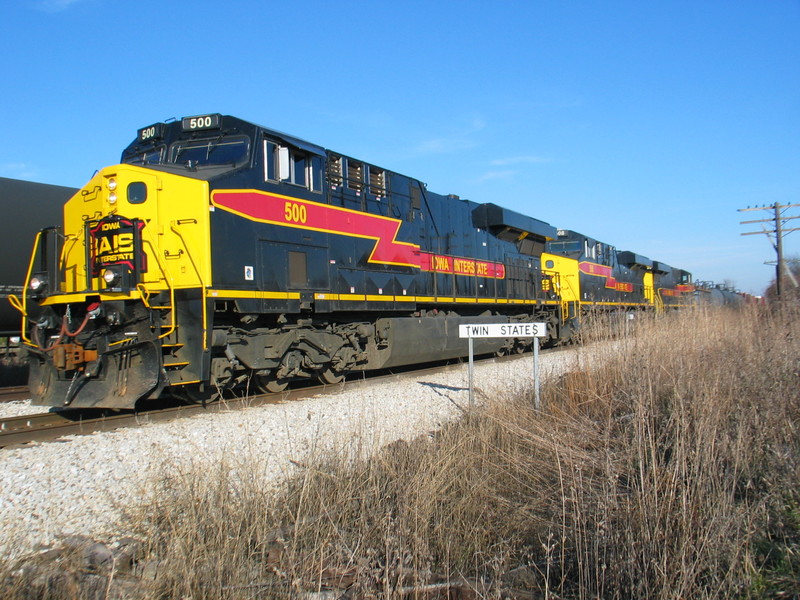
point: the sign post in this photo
(505, 330)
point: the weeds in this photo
(668, 470)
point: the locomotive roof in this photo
(230, 124)
(631, 259)
(212, 122)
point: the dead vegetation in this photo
(667, 471)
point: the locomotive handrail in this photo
(22, 306)
(172, 317)
(144, 293)
(203, 286)
(659, 301)
(649, 294)
(565, 304)
(559, 283)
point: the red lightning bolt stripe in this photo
(607, 272)
(304, 214)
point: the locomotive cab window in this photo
(290, 165)
(216, 151)
(137, 192)
(149, 156)
(570, 248)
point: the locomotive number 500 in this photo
(295, 213)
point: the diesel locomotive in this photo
(222, 255)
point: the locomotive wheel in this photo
(268, 385)
(329, 376)
(193, 394)
(552, 338)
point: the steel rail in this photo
(21, 430)
(14, 392)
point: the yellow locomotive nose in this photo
(127, 219)
(127, 250)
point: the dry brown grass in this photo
(668, 471)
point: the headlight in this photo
(111, 184)
(111, 277)
(112, 197)
(37, 283)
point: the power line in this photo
(778, 231)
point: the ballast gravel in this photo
(18, 408)
(81, 485)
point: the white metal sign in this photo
(505, 330)
(502, 330)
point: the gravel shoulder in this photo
(81, 485)
(19, 408)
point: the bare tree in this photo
(792, 279)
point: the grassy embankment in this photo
(670, 470)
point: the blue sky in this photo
(643, 124)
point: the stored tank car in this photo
(220, 254)
(28, 207)
(717, 294)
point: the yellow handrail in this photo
(172, 311)
(659, 301)
(22, 306)
(203, 286)
(566, 304)
(144, 293)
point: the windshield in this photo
(566, 247)
(153, 156)
(210, 151)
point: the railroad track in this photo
(43, 427)
(18, 431)
(21, 430)
(27, 428)
(15, 392)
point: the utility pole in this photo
(778, 230)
